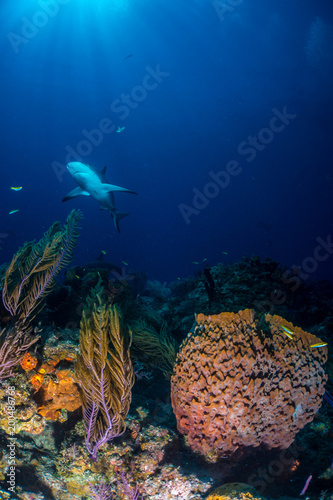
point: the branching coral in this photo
(105, 374)
(13, 344)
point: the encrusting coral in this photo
(235, 491)
(59, 396)
(104, 372)
(242, 382)
(24, 410)
(44, 392)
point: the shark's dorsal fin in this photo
(103, 170)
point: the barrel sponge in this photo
(240, 382)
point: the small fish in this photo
(320, 344)
(124, 262)
(127, 57)
(178, 278)
(204, 260)
(103, 251)
(13, 212)
(77, 276)
(286, 330)
(290, 336)
(120, 129)
(16, 188)
(225, 253)
(195, 262)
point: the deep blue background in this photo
(225, 77)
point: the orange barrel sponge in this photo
(242, 381)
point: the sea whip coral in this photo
(26, 282)
(105, 374)
(307, 482)
(240, 382)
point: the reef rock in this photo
(235, 491)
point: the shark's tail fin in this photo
(117, 217)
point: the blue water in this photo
(191, 82)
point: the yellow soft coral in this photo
(105, 373)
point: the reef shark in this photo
(92, 182)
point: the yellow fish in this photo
(286, 330)
(195, 262)
(13, 212)
(320, 344)
(288, 335)
(124, 262)
(16, 188)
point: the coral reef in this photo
(26, 281)
(30, 275)
(59, 396)
(242, 382)
(153, 344)
(272, 379)
(25, 414)
(145, 456)
(235, 491)
(105, 373)
(14, 342)
(45, 391)
(28, 362)
(251, 283)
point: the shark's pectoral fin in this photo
(74, 193)
(110, 187)
(117, 216)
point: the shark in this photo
(92, 182)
